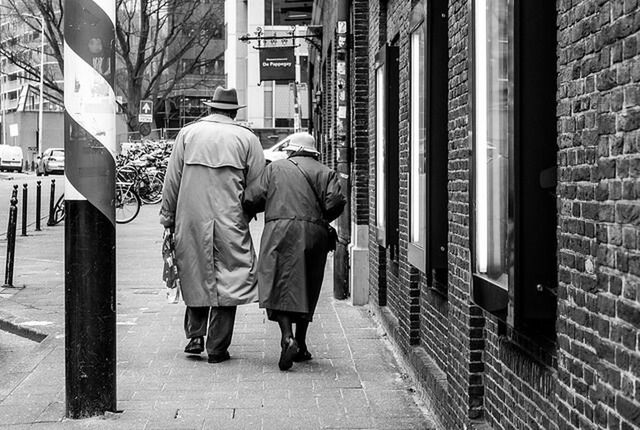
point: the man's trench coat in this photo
(212, 162)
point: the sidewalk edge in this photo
(15, 325)
(423, 399)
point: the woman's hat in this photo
(302, 142)
(225, 99)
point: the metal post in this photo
(11, 239)
(24, 210)
(52, 202)
(90, 257)
(40, 109)
(343, 151)
(38, 203)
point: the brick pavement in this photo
(352, 382)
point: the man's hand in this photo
(167, 231)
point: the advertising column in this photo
(90, 256)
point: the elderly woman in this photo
(299, 196)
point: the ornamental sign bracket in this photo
(313, 36)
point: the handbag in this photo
(170, 270)
(332, 233)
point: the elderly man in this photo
(213, 161)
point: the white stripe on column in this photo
(92, 103)
(109, 8)
(70, 192)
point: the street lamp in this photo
(40, 111)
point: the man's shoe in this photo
(195, 345)
(219, 358)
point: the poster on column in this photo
(277, 64)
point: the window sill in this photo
(541, 350)
(416, 257)
(490, 296)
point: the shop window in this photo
(428, 223)
(380, 155)
(514, 209)
(387, 148)
(418, 137)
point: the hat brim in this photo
(296, 148)
(224, 106)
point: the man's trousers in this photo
(220, 320)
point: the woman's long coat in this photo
(294, 244)
(212, 161)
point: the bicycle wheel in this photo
(58, 211)
(151, 191)
(126, 173)
(127, 204)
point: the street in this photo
(353, 380)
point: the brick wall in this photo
(327, 77)
(377, 262)
(466, 342)
(359, 132)
(599, 214)
(487, 378)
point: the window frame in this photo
(527, 309)
(487, 293)
(417, 249)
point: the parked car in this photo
(11, 158)
(51, 161)
(276, 152)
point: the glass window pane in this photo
(493, 139)
(380, 143)
(418, 184)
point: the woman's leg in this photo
(286, 327)
(301, 338)
(288, 343)
(301, 334)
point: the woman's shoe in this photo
(302, 355)
(289, 350)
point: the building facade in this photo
(270, 104)
(489, 154)
(21, 37)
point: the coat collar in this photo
(223, 119)
(216, 117)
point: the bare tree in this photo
(162, 46)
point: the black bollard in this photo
(11, 239)
(38, 204)
(24, 210)
(52, 203)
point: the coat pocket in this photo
(209, 251)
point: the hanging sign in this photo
(277, 64)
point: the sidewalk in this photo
(352, 382)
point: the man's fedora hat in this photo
(225, 99)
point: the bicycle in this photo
(147, 181)
(127, 204)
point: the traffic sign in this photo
(145, 129)
(146, 111)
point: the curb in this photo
(16, 325)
